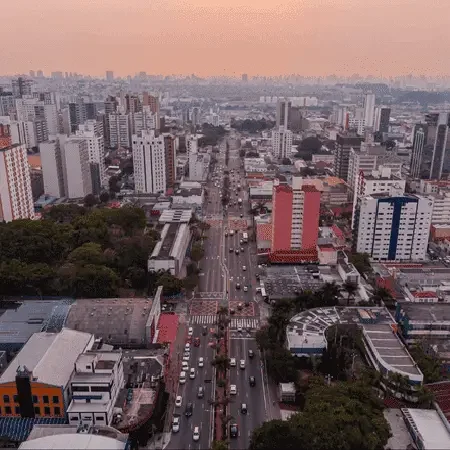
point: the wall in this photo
(282, 218)
(311, 213)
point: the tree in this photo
(242, 153)
(113, 183)
(197, 252)
(311, 144)
(274, 435)
(219, 445)
(286, 162)
(88, 253)
(428, 363)
(64, 213)
(361, 261)
(171, 285)
(381, 296)
(90, 200)
(308, 172)
(191, 282)
(93, 281)
(350, 288)
(329, 294)
(104, 197)
(221, 362)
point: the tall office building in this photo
(149, 163)
(441, 155)
(281, 143)
(7, 103)
(120, 130)
(369, 109)
(110, 108)
(393, 228)
(170, 156)
(22, 86)
(382, 118)
(51, 118)
(419, 141)
(76, 168)
(344, 144)
(295, 216)
(152, 101)
(144, 120)
(283, 113)
(78, 114)
(52, 167)
(16, 197)
(109, 75)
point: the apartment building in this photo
(281, 143)
(120, 130)
(344, 144)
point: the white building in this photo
(95, 386)
(16, 198)
(281, 143)
(52, 168)
(369, 110)
(192, 143)
(120, 130)
(441, 207)
(149, 163)
(76, 168)
(51, 117)
(144, 120)
(23, 132)
(393, 228)
(198, 166)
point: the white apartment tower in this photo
(149, 163)
(369, 110)
(393, 228)
(120, 130)
(144, 120)
(76, 168)
(16, 199)
(281, 143)
(52, 168)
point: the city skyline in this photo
(339, 37)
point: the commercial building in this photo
(281, 143)
(382, 119)
(344, 145)
(419, 141)
(441, 156)
(37, 381)
(149, 158)
(392, 228)
(170, 250)
(295, 216)
(22, 86)
(198, 166)
(283, 113)
(369, 110)
(119, 130)
(306, 336)
(16, 197)
(144, 120)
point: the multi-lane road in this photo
(221, 271)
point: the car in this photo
(238, 286)
(231, 250)
(204, 331)
(244, 408)
(241, 242)
(200, 392)
(226, 234)
(187, 347)
(178, 401)
(185, 366)
(176, 424)
(258, 290)
(189, 409)
(196, 434)
(242, 249)
(241, 364)
(245, 289)
(192, 373)
(186, 356)
(201, 362)
(244, 268)
(251, 353)
(233, 362)
(239, 329)
(233, 389)
(252, 380)
(182, 378)
(190, 331)
(232, 311)
(240, 306)
(197, 342)
(237, 251)
(241, 216)
(234, 430)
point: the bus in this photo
(245, 237)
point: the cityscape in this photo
(224, 262)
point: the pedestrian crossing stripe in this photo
(244, 323)
(234, 323)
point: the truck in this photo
(239, 201)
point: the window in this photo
(35, 399)
(55, 399)
(17, 409)
(99, 418)
(6, 399)
(45, 398)
(16, 399)
(37, 410)
(99, 388)
(80, 388)
(74, 418)
(57, 411)
(46, 410)
(7, 409)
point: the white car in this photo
(187, 347)
(233, 362)
(190, 331)
(242, 364)
(245, 289)
(201, 362)
(178, 401)
(233, 389)
(186, 356)
(192, 373)
(185, 366)
(196, 434)
(239, 329)
(244, 268)
(176, 424)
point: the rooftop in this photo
(175, 216)
(46, 356)
(187, 192)
(163, 248)
(426, 312)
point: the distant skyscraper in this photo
(40, 74)
(417, 152)
(32, 74)
(16, 197)
(382, 117)
(369, 109)
(283, 113)
(109, 75)
(22, 86)
(120, 130)
(244, 77)
(344, 144)
(170, 149)
(440, 153)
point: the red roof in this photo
(168, 327)
(338, 232)
(441, 393)
(326, 247)
(424, 294)
(264, 231)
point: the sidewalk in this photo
(159, 441)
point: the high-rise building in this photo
(295, 216)
(393, 228)
(198, 166)
(295, 119)
(77, 170)
(16, 197)
(24, 132)
(419, 141)
(120, 130)
(144, 120)
(52, 167)
(78, 114)
(109, 75)
(40, 74)
(441, 155)
(132, 104)
(149, 163)
(369, 109)
(281, 143)
(22, 86)
(385, 117)
(344, 144)
(283, 113)
(170, 149)
(5, 135)
(7, 103)
(152, 101)
(51, 118)
(195, 115)
(110, 108)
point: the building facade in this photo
(282, 143)
(344, 145)
(76, 168)
(119, 130)
(419, 142)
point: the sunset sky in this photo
(226, 37)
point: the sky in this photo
(226, 37)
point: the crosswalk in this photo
(234, 323)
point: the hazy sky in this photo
(218, 37)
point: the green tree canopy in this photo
(171, 285)
(88, 253)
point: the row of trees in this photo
(251, 125)
(211, 135)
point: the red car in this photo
(197, 342)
